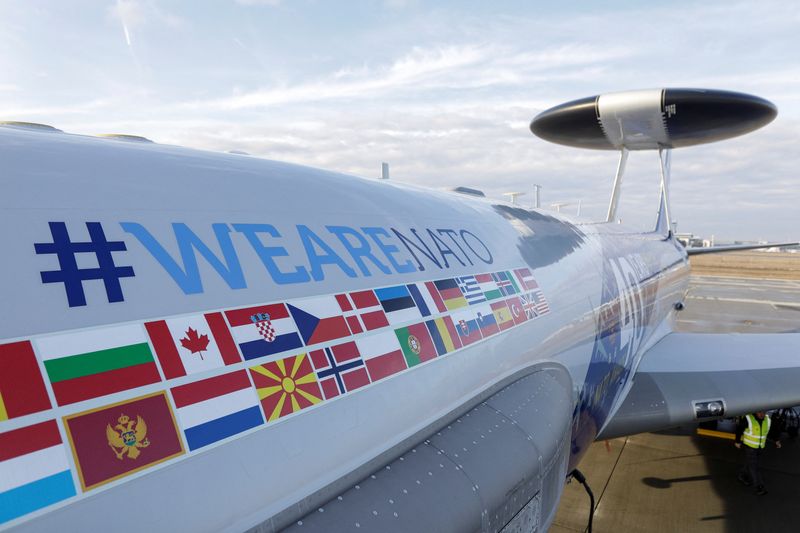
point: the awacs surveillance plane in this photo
(193, 341)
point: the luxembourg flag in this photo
(192, 344)
(263, 330)
(216, 408)
(34, 471)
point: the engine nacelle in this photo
(653, 119)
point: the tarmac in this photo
(677, 480)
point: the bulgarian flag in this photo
(89, 364)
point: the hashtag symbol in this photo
(73, 277)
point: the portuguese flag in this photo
(416, 343)
(89, 364)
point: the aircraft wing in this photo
(735, 248)
(690, 377)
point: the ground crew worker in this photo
(753, 431)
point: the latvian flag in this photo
(263, 330)
(362, 311)
(216, 408)
(192, 344)
(340, 369)
(319, 319)
(525, 277)
(34, 471)
(471, 290)
(382, 354)
(22, 389)
(89, 364)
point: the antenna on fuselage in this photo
(655, 119)
(513, 196)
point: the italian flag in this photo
(89, 364)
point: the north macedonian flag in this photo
(119, 439)
(286, 386)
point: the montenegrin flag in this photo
(22, 389)
(93, 363)
(34, 471)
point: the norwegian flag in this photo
(362, 310)
(339, 369)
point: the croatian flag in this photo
(263, 330)
(339, 369)
(34, 471)
(382, 354)
(319, 319)
(216, 408)
(192, 344)
(362, 311)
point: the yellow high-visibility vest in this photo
(756, 433)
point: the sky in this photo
(442, 91)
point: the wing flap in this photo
(685, 373)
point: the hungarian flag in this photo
(488, 286)
(216, 408)
(444, 335)
(192, 344)
(22, 389)
(416, 343)
(34, 470)
(340, 369)
(382, 354)
(319, 319)
(362, 310)
(89, 364)
(263, 330)
(117, 440)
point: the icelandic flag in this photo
(466, 326)
(192, 344)
(398, 304)
(486, 320)
(525, 277)
(471, 290)
(216, 408)
(340, 369)
(505, 283)
(319, 319)
(34, 472)
(382, 354)
(362, 311)
(263, 330)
